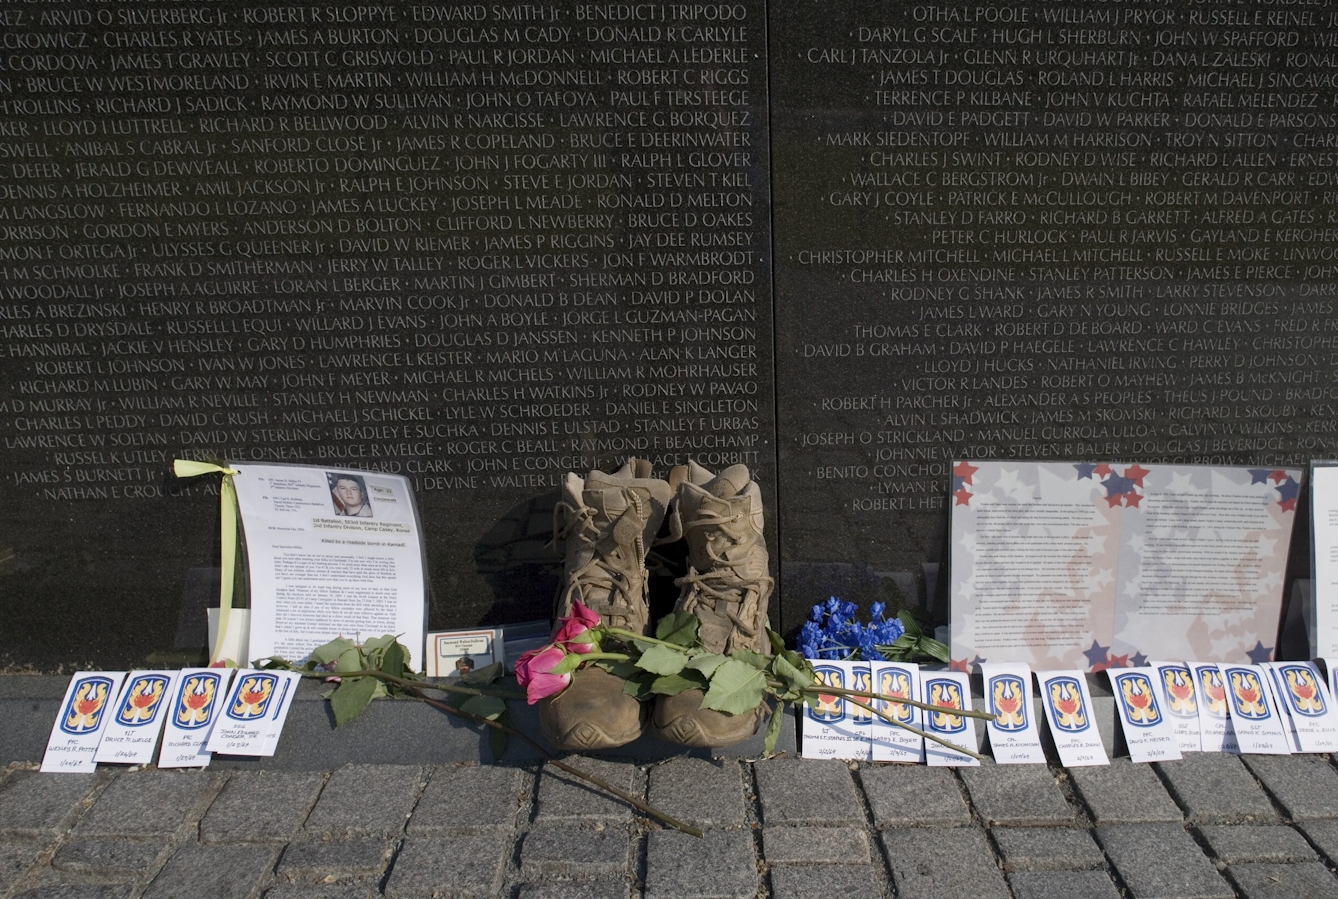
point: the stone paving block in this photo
(914, 794)
(591, 890)
(1047, 848)
(1323, 834)
(815, 845)
(563, 795)
(108, 856)
(337, 860)
(561, 850)
(148, 803)
(703, 792)
(15, 860)
(323, 891)
(33, 804)
(365, 801)
(78, 891)
(1124, 793)
(807, 791)
(1306, 786)
(1307, 880)
(1063, 885)
(1216, 788)
(1016, 794)
(261, 807)
(219, 872)
(462, 798)
(1239, 844)
(948, 862)
(1162, 861)
(826, 882)
(681, 866)
(464, 866)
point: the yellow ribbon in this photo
(227, 525)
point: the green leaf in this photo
(756, 659)
(706, 664)
(618, 667)
(796, 678)
(908, 621)
(330, 652)
(489, 707)
(931, 647)
(662, 660)
(639, 687)
(777, 641)
(773, 730)
(349, 660)
(488, 674)
(352, 696)
(673, 684)
(736, 687)
(378, 645)
(679, 628)
(497, 738)
(392, 662)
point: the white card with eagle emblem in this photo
(1254, 711)
(890, 742)
(1303, 695)
(1182, 704)
(137, 718)
(84, 713)
(1068, 711)
(949, 690)
(194, 708)
(1144, 714)
(834, 727)
(1014, 737)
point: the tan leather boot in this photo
(608, 522)
(727, 587)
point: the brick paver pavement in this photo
(1209, 827)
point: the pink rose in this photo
(534, 673)
(581, 621)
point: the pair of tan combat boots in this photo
(609, 523)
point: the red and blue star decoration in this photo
(1287, 487)
(962, 473)
(1121, 489)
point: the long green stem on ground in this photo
(967, 713)
(629, 635)
(915, 730)
(416, 690)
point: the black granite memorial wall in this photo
(480, 245)
(484, 244)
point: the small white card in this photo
(1147, 727)
(279, 717)
(137, 718)
(453, 653)
(1216, 730)
(950, 690)
(1068, 709)
(892, 743)
(199, 694)
(1180, 704)
(1284, 711)
(84, 714)
(1014, 737)
(1301, 691)
(1254, 715)
(833, 728)
(244, 726)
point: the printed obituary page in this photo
(330, 552)
(1034, 552)
(1097, 565)
(1323, 623)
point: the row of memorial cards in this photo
(109, 716)
(1164, 709)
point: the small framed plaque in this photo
(452, 653)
